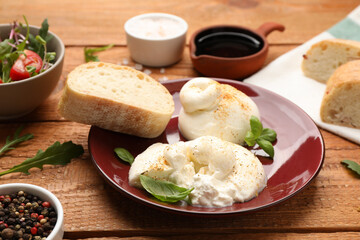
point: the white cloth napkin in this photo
(285, 77)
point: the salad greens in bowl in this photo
(31, 63)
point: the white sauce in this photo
(221, 172)
(155, 27)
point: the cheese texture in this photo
(220, 172)
(213, 109)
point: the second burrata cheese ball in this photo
(213, 109)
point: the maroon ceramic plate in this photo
(299, 152)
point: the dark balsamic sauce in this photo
(228, 43)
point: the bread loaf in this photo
(116, 98)
(341, 101)
(324, 57)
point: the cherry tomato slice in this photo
(18, 70)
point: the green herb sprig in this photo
(352, 165)
(16, 139)
(56, 154)
(262, 136)
(89, 53)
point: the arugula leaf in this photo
(16, 139)
(124, 155)
(43, 32)
(163, 190)
(56, 154)
(352, 165)
(262, 136)
(89, 53)
(37, 43)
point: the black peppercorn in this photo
(11, 220)
(28, 229)
(26, 236)
(7, 233)
(2, 227)
(40, 231)
(18, 234)
(52, 214)
(21, 214)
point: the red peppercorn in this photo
(6, 225)
(40, 217)
(34, 215)
(2, 198)
(1, 222)
(46, 204)
(34, 230)
(37, 225)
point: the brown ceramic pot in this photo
(232, 67)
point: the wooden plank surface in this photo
(329, 208)
(95, 22)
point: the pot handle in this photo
(268, 27)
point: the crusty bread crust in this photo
(113, 108)
(341, 101)
(324, 57)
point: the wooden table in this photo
(329, 208)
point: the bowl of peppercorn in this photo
(29, 212)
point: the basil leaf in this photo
(124, 155)
(266, 146)
(163, 190)
(352, 165)
(250, 139)
(256, 126)
(268, 134)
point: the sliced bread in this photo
(324, 57)
(116, 98)
(341, 101)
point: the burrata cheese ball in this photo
(210, 108)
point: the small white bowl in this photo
(58, 231)
(156, 39)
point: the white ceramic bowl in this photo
(45, 195)
(156, 39)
